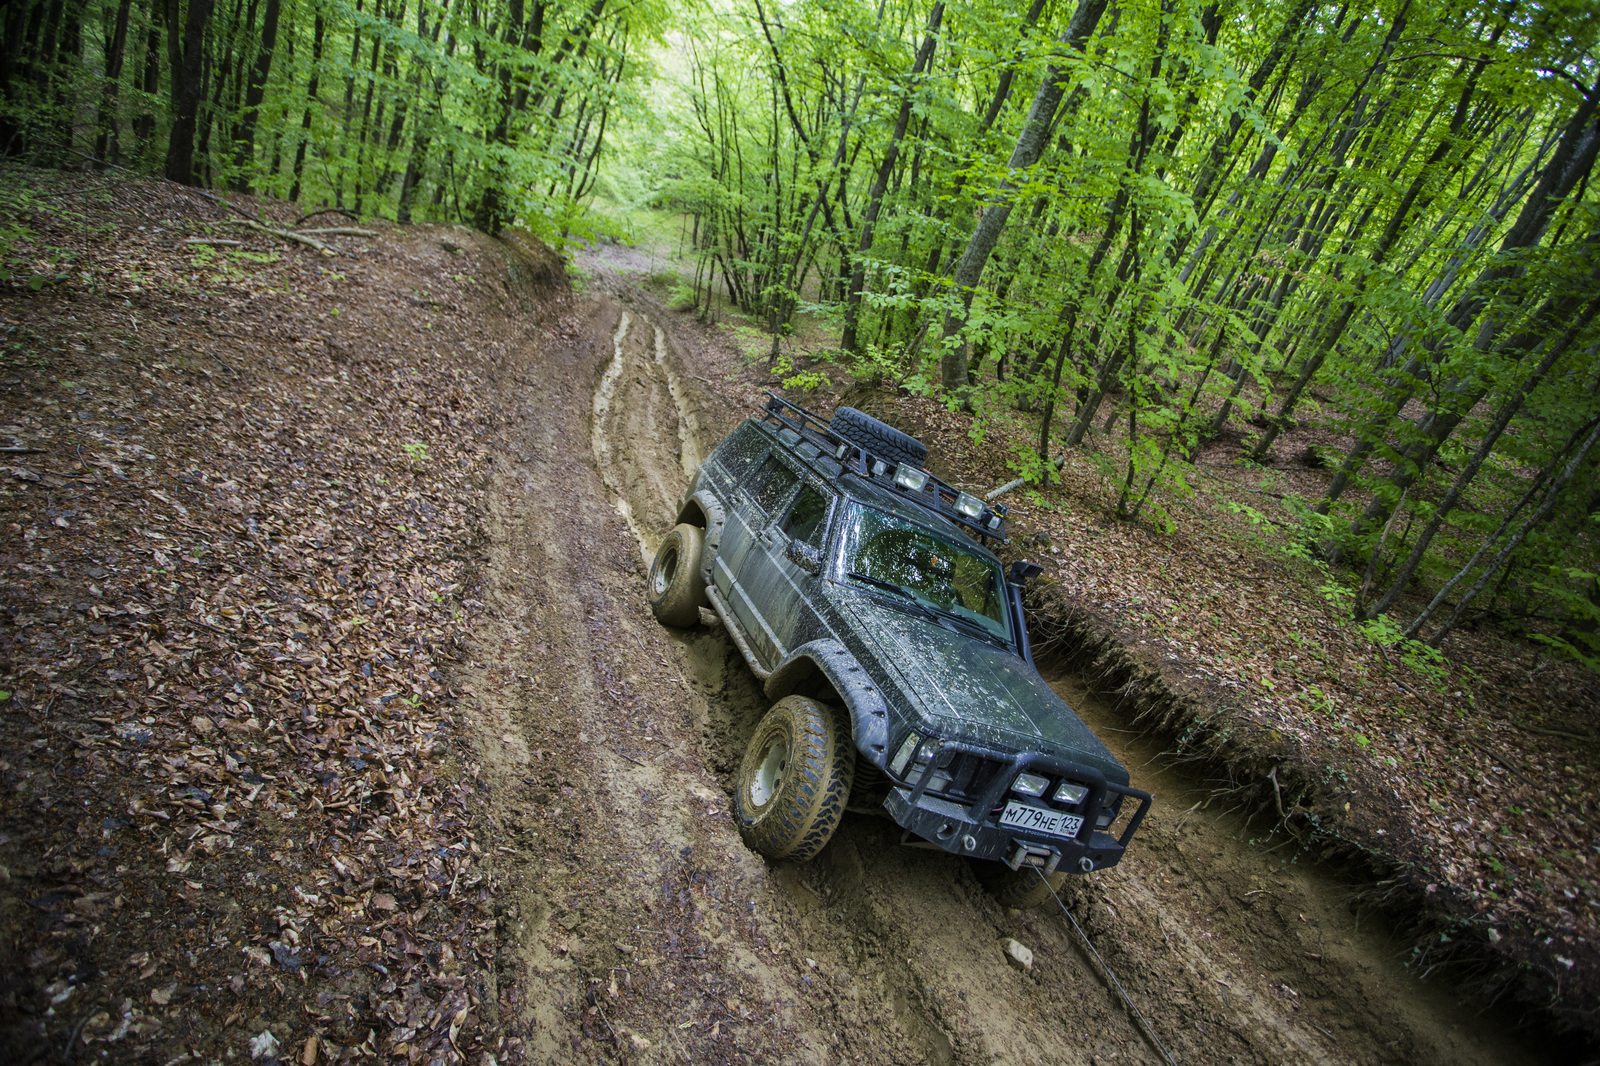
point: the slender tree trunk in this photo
(108, 140)
(1030, 145)
(145, 124)
(852, 308)
(312, 84)
(245, 145)
(185, 61)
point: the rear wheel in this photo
(794, 779)
(676, 592)
(1021, 889)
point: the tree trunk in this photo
(108, 140)
(317, 29)
(245, 145)
(1030, 145)
(858, 277)
(185, 60)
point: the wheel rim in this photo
(666, 569)
(769, 773)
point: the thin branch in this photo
(288, 235)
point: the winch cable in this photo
(1144, 1024)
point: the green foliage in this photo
(1576, 595)
(809, 380)
(492, 114)
(1426, 663)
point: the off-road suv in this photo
(859, 587)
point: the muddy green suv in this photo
(859, 588)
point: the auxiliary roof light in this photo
(969, 505)
(910, 478)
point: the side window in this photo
(771, 484)
(808, 517)
(739, 452)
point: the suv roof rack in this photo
(984, 519)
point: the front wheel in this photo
(676, 592)
(794, 779)
(1021, 889)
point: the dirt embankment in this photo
(239, 814)
(474, 800)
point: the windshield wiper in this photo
(975, 628)
(910, 600)
(882, 584)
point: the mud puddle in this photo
(643, 930)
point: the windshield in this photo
(893, 554)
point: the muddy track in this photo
(639, 926)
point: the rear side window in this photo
(738, 454)
(808, 517)
(771, 484)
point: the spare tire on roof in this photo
(879, 438)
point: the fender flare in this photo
(716, 520)
(863, 699)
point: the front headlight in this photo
(897, 765)
(1030, 785)
(1071, 792)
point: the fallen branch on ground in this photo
(326, 211)
(286, 235)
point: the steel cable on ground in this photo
(1144, 1024)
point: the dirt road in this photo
(639, 928)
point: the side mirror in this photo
(805, 556)
(1022, 570)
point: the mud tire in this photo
(674, 588)
(802, 761)
(1017, 889)
(879, 438)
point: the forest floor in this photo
(335, 725)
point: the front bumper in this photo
(974, 830)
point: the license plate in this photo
(1041, 820)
